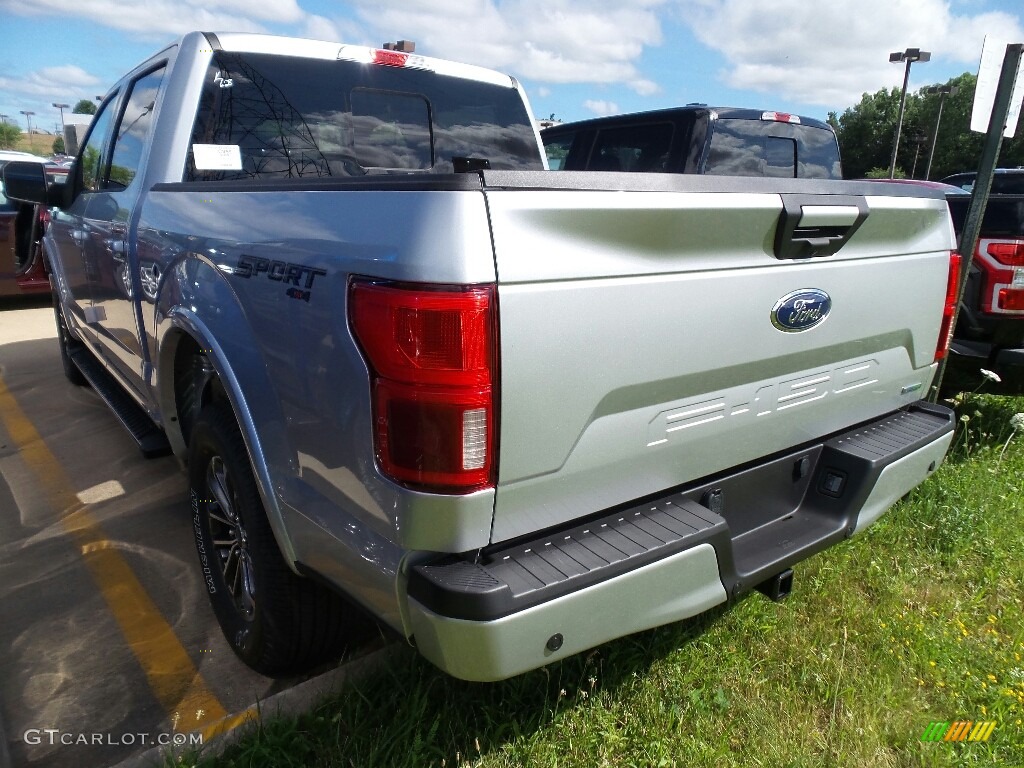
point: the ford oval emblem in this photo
(801, 310)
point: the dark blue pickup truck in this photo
(717, 141)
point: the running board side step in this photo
(151, 439)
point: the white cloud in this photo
(645, 87)
(602, 107)
(834, 52)
(552, 41)
(53, 82)
(163, 18)
(335, 31)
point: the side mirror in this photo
(26, 182)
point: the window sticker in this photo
(217, 157)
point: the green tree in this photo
(9, 135)
(58, 146)
(84, 107)
(866, 131)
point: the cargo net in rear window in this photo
(269, 117)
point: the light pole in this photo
(910, 56)
(943, 91)
(61, 107)
(28, 121)
(918, 140)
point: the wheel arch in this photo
(190, 356)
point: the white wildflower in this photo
(1017, 421)
(991, 376)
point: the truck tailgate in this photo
(638, 350)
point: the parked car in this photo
(1005, 181)
(720, 141)
(989, 332)
(22, 266)
(514, 413)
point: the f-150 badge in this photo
(801, 310)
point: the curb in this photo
(293, 701)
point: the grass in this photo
(41, 144)
(920, 619)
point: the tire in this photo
(67, 344)
(275, 621)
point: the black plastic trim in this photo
(773, 516)
(421, 182)
(795, 242)
(525, 575)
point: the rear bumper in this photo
(524, 605)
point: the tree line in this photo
(867, 129)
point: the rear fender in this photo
(197, 303)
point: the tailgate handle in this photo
(817, 225)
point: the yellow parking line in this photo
(172, 676)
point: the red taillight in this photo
(432, 352)
(1002, 275)
(781, 117)
(949, 308)
(1008, 252)
(390, 58)
(1011, 299)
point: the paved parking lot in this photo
(107, 643)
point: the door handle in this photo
(78, 235)
(812, 226)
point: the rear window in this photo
(643, 148)
(264, 116)
(768, 148)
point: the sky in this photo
(575, 58)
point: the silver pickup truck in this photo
(512, 413)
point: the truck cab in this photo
(698, 139)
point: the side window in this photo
(133, 130)
(91, 159)
(640, 148)
(557, 150)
